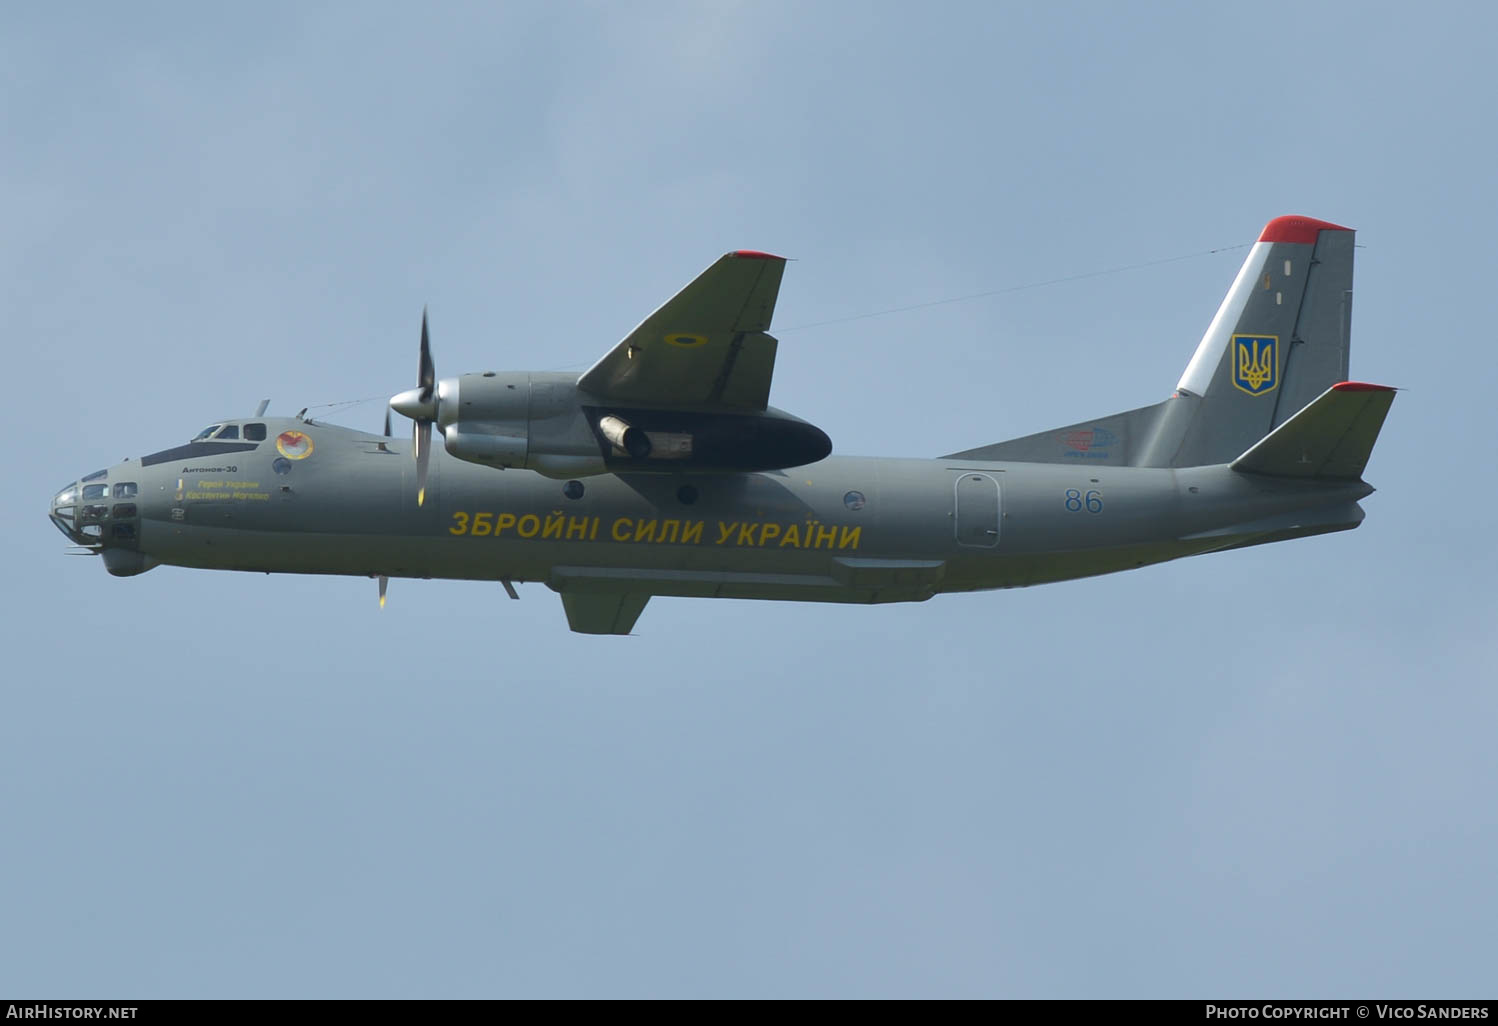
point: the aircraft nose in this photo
(98, 510)
(64, 512)
(102, 513)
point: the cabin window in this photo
(124, 490)
(125, 531)
(123, 510)
(229, 431)
(95, 491)
(254, 432)
(206, 432)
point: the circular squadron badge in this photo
(294, 445)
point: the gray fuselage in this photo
(845, 529)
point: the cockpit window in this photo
(206, 432)
(227, 432)
(123, 490)
(95, 491)
(254, 432)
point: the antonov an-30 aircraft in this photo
(662, 470)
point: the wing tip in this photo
(1297, 228)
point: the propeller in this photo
(419, 404)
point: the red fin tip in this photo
(1295, 228)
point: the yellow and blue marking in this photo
(1256, 363)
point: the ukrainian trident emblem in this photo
(1256, 363)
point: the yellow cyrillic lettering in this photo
(644, 530)
(621, 536)
(746, 531)
(483, 523)
(692, 533)
(669, 530)
(725, 530)
(460, 524)
(768, 532)
(503, 523)
(535, 526)
(849, 540)
(792, 537)
(578, 525)
(826, 534)
(552, 528)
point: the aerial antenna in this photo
(260, 410)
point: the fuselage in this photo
(846, 529)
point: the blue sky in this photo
(1264, 772)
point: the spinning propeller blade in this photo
(421, 405)
(421, 445)
(426, 373)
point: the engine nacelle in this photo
(480, 446)
(542, 422)
(530, 421)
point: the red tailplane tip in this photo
(1294, 228)
(754, 254)
(1360, 386)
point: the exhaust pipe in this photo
(625, 438)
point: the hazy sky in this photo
(1268, 772)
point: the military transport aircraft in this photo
(662, 470)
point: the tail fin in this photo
(1330, 439)
(1280, 339)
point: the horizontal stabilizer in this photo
(1331, 438)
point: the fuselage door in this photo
(977, 510)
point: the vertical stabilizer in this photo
(1279, 340)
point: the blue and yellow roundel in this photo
(1256, 363)
(685, 340)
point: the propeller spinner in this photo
(420, 405)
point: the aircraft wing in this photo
(705, 348)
